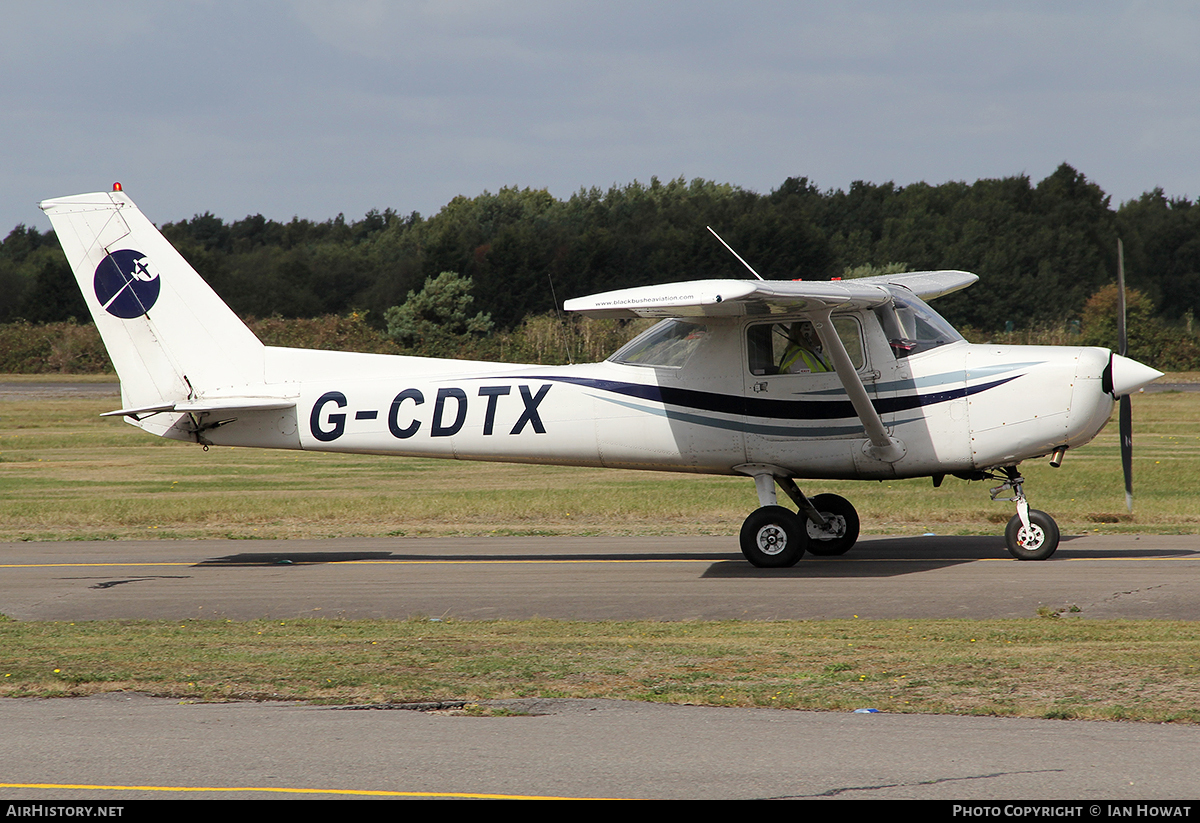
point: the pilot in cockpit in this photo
(803, 353)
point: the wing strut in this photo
(881, 445)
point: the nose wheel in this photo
(1035, 541)
(1031, 534)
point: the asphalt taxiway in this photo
(593, 578)
(118, 746)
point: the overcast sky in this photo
(299, 107)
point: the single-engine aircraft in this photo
(774, 380)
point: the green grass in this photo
(67, 474)
(1029, 668)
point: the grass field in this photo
(1066, 669)
(67, 474)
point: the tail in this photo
(170, 337)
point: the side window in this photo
(851, 336)
(793, 347)
(669, 345)
(761, 347)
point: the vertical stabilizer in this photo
(170, 337)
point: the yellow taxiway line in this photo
(284, 790)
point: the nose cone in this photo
(1129, 375)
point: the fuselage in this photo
(705, 402)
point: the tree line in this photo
(1041, 249)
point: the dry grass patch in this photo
(1029, 668)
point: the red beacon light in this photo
(117, 187)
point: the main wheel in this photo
(773, 537)
(843, 530)
(1035, 543)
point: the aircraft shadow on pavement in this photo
(894, 556)
(311, 558)
(886, 557)
(883, 557)
(292, 558)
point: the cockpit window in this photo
(668, 345)
(912, 327)
(793, 347)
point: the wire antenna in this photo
(735, 254)
(562, 321)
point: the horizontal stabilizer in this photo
(219, 404)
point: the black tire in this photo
(845, 529)
(773, 537)
(1040, 544)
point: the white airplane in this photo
(725, 384)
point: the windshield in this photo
(912, 327)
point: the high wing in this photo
(816, 299)
(732, 298)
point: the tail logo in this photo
(126, 283)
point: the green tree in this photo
(1099, 320)
(54, 295)
(437, 313)
(1162, 250)
(1150, 340)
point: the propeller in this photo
(1125, 416)
(1123, 377)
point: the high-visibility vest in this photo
(809, 360)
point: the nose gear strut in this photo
(1031, 534)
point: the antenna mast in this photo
(735, 254)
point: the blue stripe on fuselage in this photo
(943, 379)
(770, 409)
(765, 430)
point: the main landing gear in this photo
(827, 525)
(777, 537)
(1031, 534)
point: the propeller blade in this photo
(1122, 337)
(1126, 429)
(1126, 411)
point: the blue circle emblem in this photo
(126, 283)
